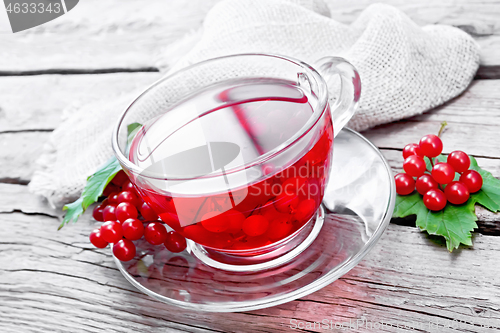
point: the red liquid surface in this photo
(271, 205)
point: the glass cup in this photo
(234, 152)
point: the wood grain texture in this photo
(17, 198)
(473, 121)
(37, 102)
(131, 35)
(478, 105)
(18, 153)
(478, 140)
(55, 281)
(123, 34)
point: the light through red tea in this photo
(222, 183)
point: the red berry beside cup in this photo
(435, 200)
(437, 185)
(431, 145)
(128, 218)
(457, 193)
(473, 180)
(414, 166)
(425, 183)
(405, 184)
(443, 173)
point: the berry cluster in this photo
(128, 218)
(430, 183)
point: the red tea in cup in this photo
(235, 175)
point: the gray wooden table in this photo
(57, 282)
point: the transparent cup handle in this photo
(350, 88)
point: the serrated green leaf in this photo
(409, 205)
(487, 200)
(489, 195)
(454, 223)
(73, 211)
(92, 191)
(98, 182)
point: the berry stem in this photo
(441, 130)
(432, 164)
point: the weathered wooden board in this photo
(55, 281)
(490, 48)
(478, 140)
(18, 153)
(120, 35)
(130, 35)
(478, 105)
(17, 198)
(406, 286)
(37, 102)
(473, 121)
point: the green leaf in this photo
(409, 205)
(96, 183)
(489, 195)
(454, 223)
(74, 210)
(132, 130)
(442, 159)
(438, 159)
(92, 191)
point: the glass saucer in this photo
(358, 206)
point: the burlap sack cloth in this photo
(405, 70)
